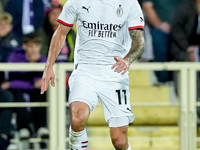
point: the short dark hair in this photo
(34, 37)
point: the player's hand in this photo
(121, 65)
(48, 75)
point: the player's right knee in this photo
(78, 122)
(79, 115)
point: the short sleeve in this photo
(135, 17)
(68, 15)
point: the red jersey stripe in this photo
(136, 27)
(84, 142)
(64, 23)
(84, 146)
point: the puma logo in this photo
(128, 109)
(141, 19)
(86, 8)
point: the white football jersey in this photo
(103, 28)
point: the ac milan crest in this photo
(119, 11)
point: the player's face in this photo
(32, 51)
(53, 16)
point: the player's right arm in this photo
(57, 41)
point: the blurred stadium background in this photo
(167, 118)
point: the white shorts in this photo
(89, 83)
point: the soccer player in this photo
(103, 54)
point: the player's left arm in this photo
(136, 50)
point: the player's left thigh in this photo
(115, 98)
(119, 136)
